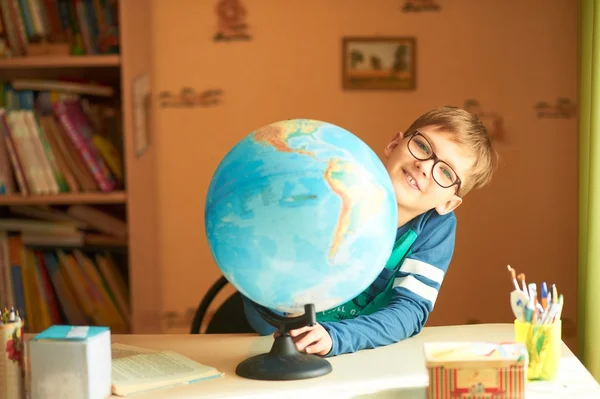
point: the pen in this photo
(522, 278)
(533, 292)
(549, 310)
(554, 294)
(544, 295)
(539, 308)
(548, 314)
(514, 277)
(529, 309)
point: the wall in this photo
(508, 57)
(141, 197)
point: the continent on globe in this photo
(301, 211)
(277, 136)
(333, 177)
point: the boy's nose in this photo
(425, 167)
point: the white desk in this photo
(395, 371)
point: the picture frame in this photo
(379, 63)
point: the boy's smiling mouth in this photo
(411, 181)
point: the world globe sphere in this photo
(300, 212)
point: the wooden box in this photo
(481, 370)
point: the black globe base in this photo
(284, 361)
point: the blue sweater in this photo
(416, 287)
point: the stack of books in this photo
(61, 268)
(58, 137)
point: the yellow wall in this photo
(505, 55)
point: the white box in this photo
(71, 362)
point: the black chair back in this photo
(228, 319)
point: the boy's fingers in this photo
(299, 337)
(298, 331)
(309, 338)
(316, 348)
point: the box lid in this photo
(474, 354)
(69, 333)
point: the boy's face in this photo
(417, 191)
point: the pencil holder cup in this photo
(543, 343)
(11, 361)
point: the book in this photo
(161, 369)
(64, 285)
(52, 142)
(63, 86)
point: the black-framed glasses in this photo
(442, 173)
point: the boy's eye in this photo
(447, 173)
(423, 147)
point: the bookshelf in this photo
(134, 200)
(67, 61)
(116, 197)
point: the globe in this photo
(300, 212)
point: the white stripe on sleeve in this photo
(421, 268)
(417, 287)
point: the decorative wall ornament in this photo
(232, 21)
(379, 63)
(563, 108)
(421, 5)
(491, 120)
(188, 98)
(142, 100)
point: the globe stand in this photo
(284, 361)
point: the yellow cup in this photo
(543, 343)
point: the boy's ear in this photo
(449, 205)
(391, 146)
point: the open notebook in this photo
(137, 369)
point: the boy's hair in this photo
(468, 131)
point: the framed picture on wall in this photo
(379, 63)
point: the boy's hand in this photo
(312, 339)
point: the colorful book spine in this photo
(67, 114)
(12, 152)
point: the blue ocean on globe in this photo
(301, 211)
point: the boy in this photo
(443, 155)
